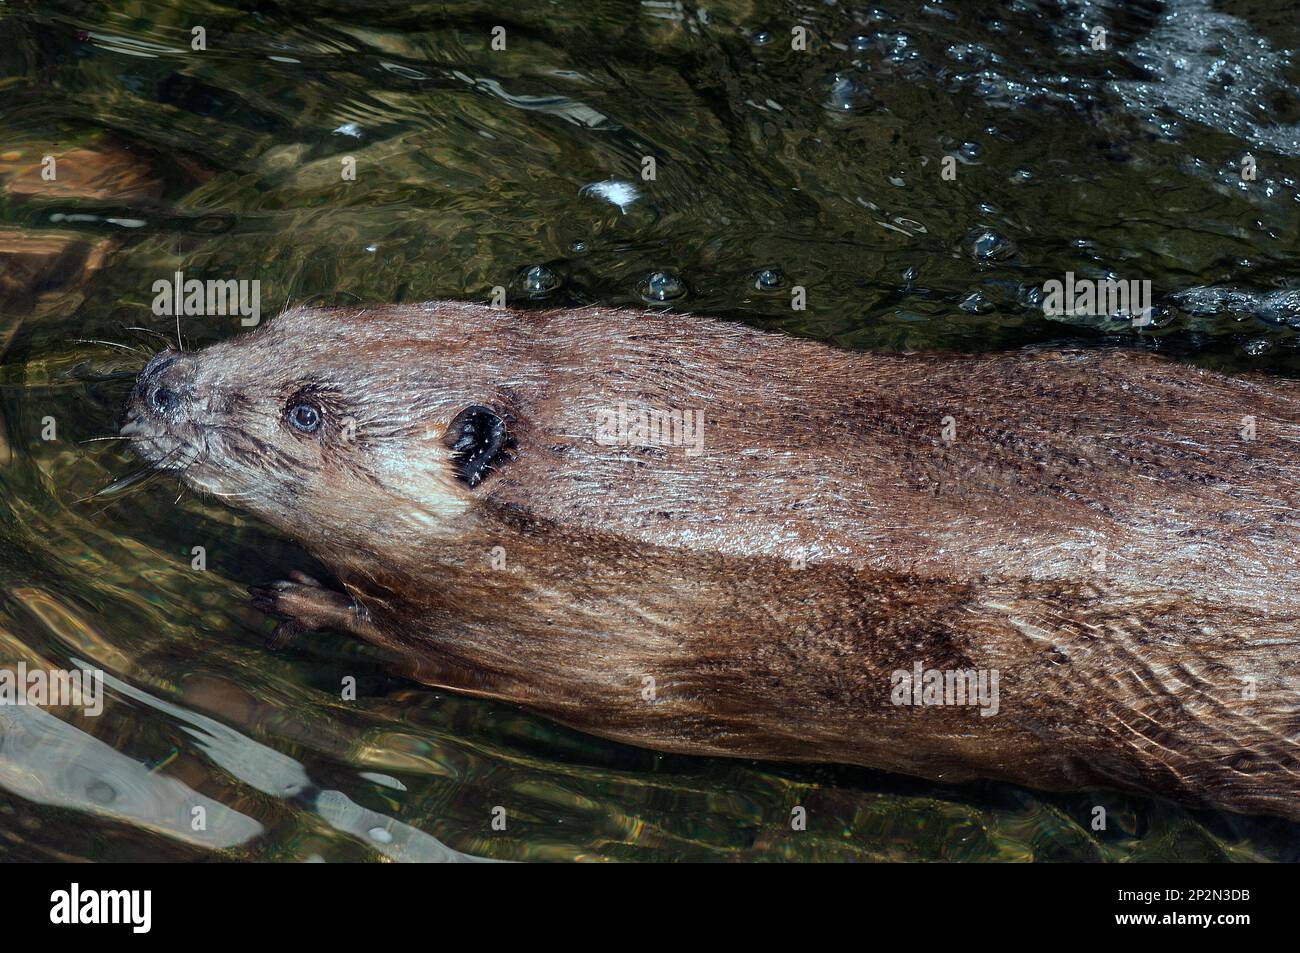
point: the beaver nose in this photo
(163, 399)
(161, 384)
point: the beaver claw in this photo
(303, 605)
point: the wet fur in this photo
(623, 563)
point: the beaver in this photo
(1057, 568)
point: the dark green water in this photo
(820, 164)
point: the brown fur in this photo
(826, 536)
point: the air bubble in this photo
(986, 245)
(843, 92)
(661, 286)
(977, 303)
(539, 279)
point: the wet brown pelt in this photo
(1097, 529)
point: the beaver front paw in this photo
(303, 605)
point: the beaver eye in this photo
(304, 418)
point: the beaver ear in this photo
(477, 438)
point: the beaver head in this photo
(300, 420)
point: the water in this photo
(528, 168)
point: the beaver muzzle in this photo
(158, 409)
